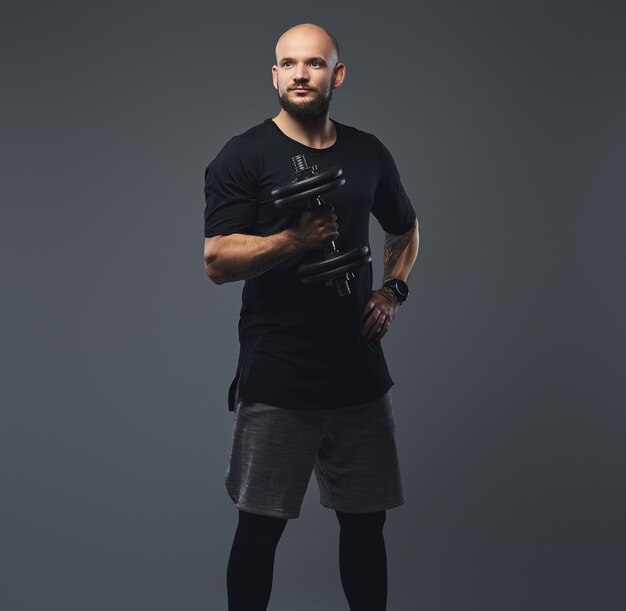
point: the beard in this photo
(308, 110)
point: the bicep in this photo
(230, 190)
(391, 206)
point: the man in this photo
(311, 392)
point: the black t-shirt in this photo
(301, 345)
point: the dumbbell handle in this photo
(319, 202)
(341, 282)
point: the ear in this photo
(275, 76)
(339, 75)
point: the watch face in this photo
(402, 288)
(399, 287)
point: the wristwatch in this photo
(399, 287)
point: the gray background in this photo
(508, 127)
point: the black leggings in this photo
(362, 560)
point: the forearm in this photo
(399, 255)
(240, 256)
(400, 252)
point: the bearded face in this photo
(304, 102)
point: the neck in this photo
(316, 134)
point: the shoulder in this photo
(360, 136)
(247, 140)
(255, 132)
(244, 147)
(252, 138)
(363, 141)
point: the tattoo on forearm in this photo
(394, 247)
(257, 267)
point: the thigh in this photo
(272, 458)
(357, 466)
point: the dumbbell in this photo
(304, 191)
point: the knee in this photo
(374, 520)
(257, 526)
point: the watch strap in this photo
(400, 289)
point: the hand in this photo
(378, 315)
(315, 228)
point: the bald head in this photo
(308, 38)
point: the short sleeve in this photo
(391, 207)
(230, 190)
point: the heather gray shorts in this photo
(352, 451)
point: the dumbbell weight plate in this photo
(334, 273)
(330, 264)
(334, 261)
(302, 197)
(297, 185)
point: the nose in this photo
(300, 74)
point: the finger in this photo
(369, 306)
(381, 330)
(376, 332)
(370, 328)
(371, 316)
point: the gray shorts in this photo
(352, 451)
